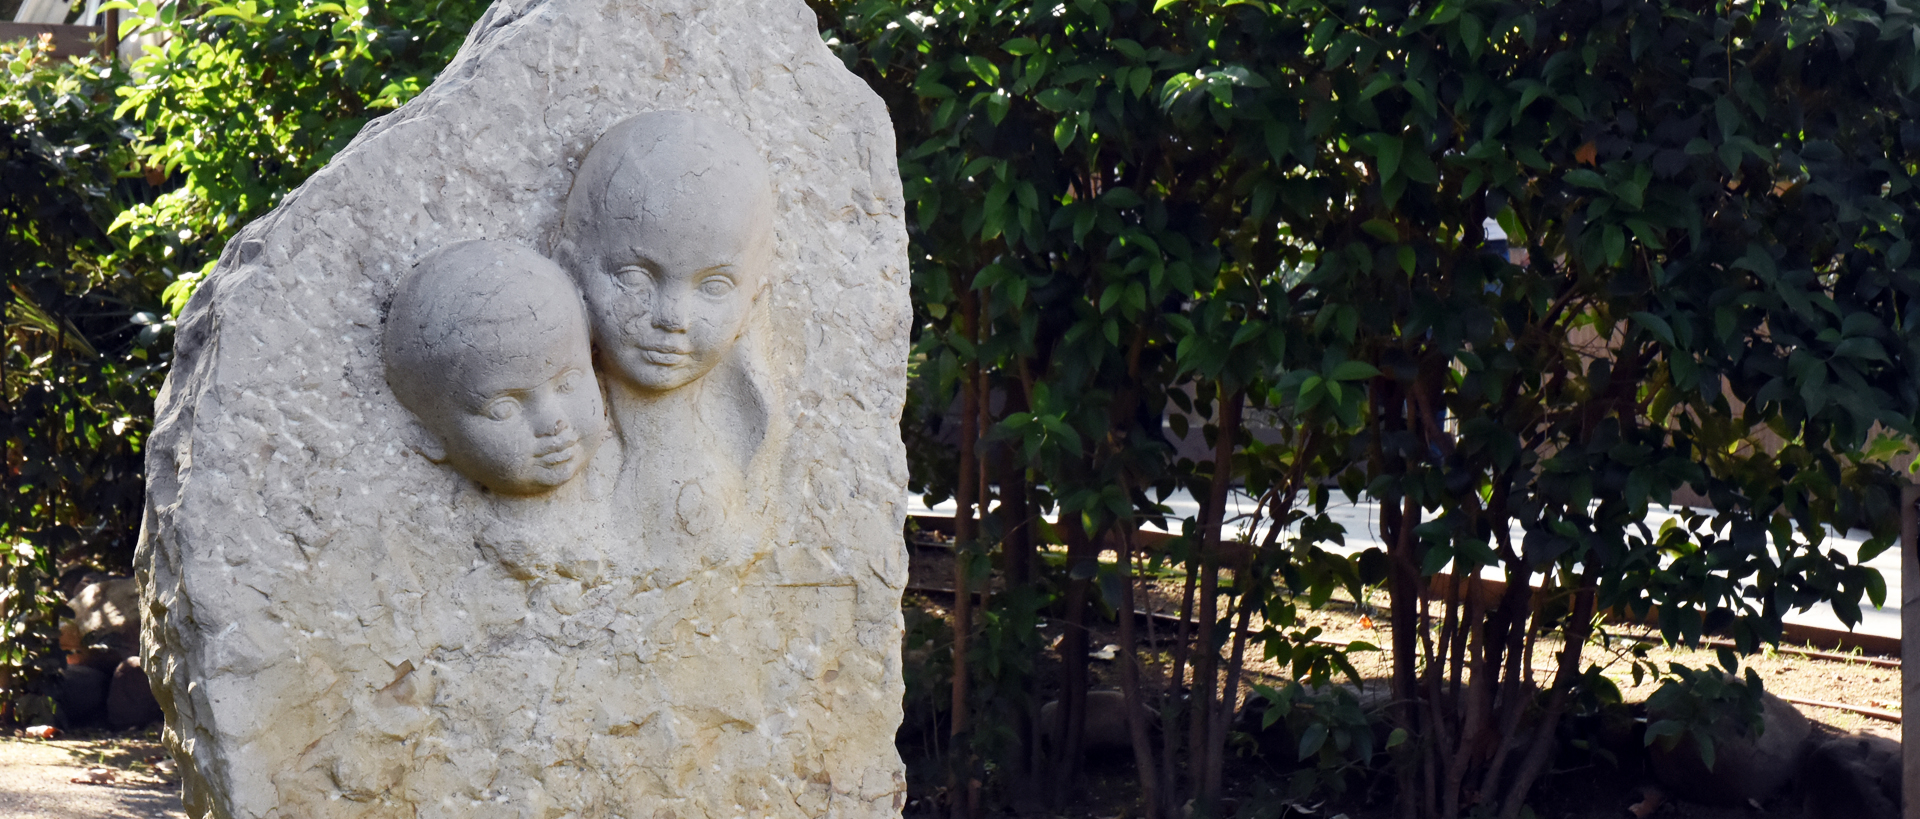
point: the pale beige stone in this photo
(701, 621)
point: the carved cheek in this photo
(604, 310)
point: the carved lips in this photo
(558, 453)
(664, 357)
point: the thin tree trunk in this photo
(1017, 559)
(1183, 642)
(1229, 703)
(1206, 660)
(1477, 697)
(1082, 558)
(960, 771)
(1130, 679)
(1579, 628)
(1516, 608)
(1396, 526)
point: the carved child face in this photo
(488, 346)
(527, 420)
(668, 233)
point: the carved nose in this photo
(552, 419)
(668, 316)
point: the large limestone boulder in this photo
(366, 598)
(1852, 777)
(105, 627)
(130, 703)
(1746, 766)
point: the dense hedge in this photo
(1209, 212)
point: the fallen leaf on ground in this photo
(1650, 801)
(42, 732)
(96, 776)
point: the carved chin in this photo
(654, 371)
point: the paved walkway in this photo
(36, 781)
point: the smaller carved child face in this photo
(487, 344)
(527, 420)
(669, 233)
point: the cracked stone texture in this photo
(329, 622)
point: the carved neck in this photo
(651, 424)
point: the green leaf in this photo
(1387, 152)
(1064, 131)
(1586, 179)
(1381, 229)
(997, 107)
(1661, 729)
(984, 69)
(1351, 370)
(1312, 738)
(1057, 99)
(1021, 46)
(1655, 325)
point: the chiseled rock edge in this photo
(319, 629)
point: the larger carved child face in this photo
(487, 345)
(668, 233)
(670, 296)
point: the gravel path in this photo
(36, 780)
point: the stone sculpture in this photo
(487, 344)
(392, 566)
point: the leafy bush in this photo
(1695, 704)
(85, 346)
(1132, 217)
(118, 189)
(244, 101)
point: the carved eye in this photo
(716, 286)
(569, 380)
(502, 408)
(633, 275)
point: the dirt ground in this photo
(38, 779)
(1860, 680)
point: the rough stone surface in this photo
(130, 702)
(83, 695)
(702, 622)
(1745, 767)
(105, 627)
(1106, 729)
(1853, 777)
